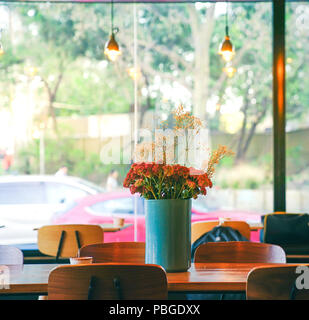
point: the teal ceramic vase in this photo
(168, 233)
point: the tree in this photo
(55, 40)
(177, 46)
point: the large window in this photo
(66, 109)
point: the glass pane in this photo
(64, 105)
(297, 98)
(60, 193)
(178, 56)
(22, 193)
(68, 110)
(124, 205)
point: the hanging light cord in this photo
(112, 15)
(227, 20)
(114, 29)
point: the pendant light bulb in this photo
(226, 49)
(112, 50)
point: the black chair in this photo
(289, 231)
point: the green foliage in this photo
(82, 89)
(235, 185)
(227, 162)
(63, 152)
(8, 59)
(252, 184)
(67, 32)
(67, 39)
(247, 184)
(296, 161)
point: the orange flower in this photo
(168, 170)
(203, 181)
(138, 183)
(191, 184)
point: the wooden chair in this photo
(66, 240)
(132, 252)
(199, 228)
(107, 282)
(10, 255)
(276, 283)
(239, 252)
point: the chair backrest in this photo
(286, 228)
(132, 252)
(199, 228)
(107, 282)
(239, 252)
(278, 283)
(65, 240)
(10, 255)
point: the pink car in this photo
(102, 208)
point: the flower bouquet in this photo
(159, 181)
(168, 188)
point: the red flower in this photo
(165, 176)
(202, 181)
(168, 170)
(156, 169)
(191, 184)
(138, 183)
(133, 189)
(181, 171)
(195, 172)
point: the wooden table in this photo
(220, 277)
(112, 228)
(107, 227)
(201, 277)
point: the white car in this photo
(29, 202)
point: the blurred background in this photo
(64, 107)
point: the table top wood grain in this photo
(113, 228)
(221, 277)
(106, 227)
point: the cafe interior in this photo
(154, 150)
